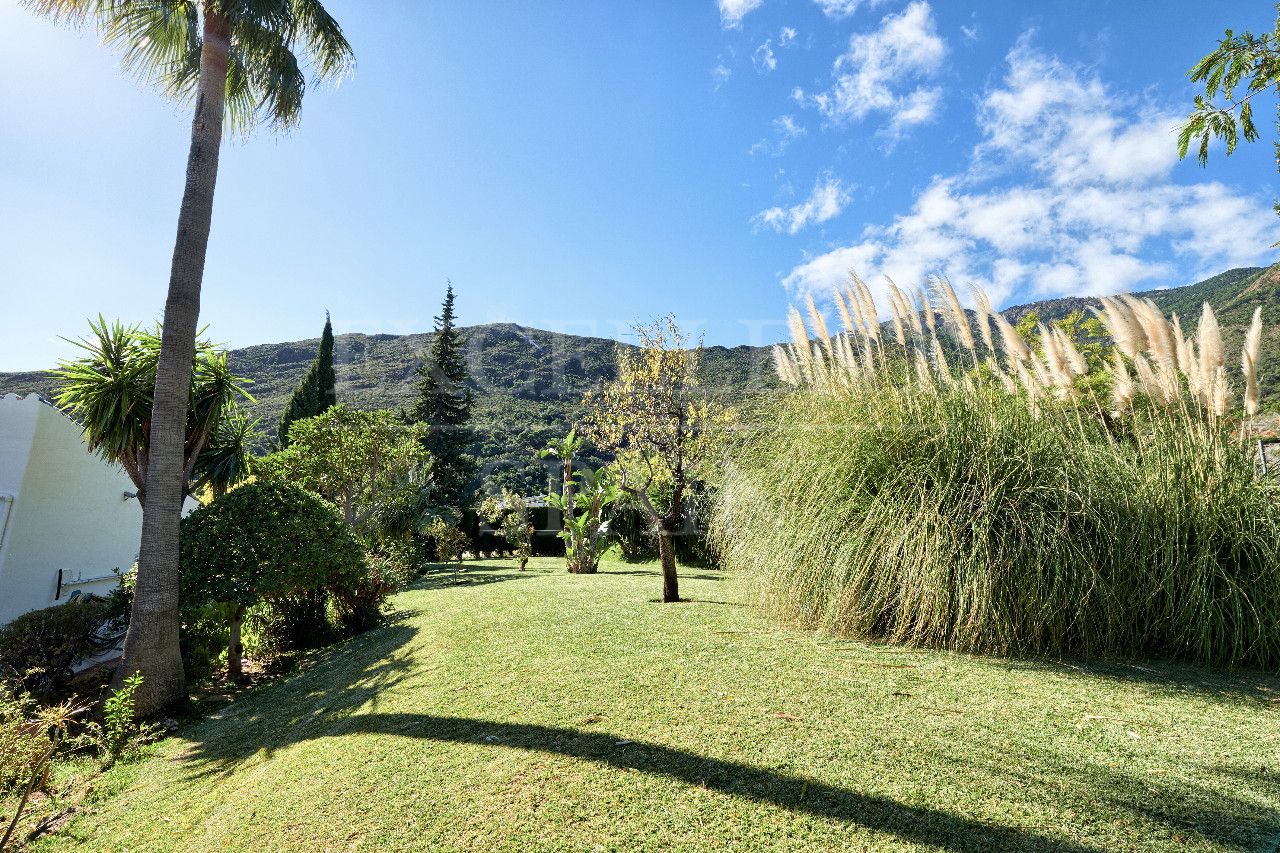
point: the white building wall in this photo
(67, 510)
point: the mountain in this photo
(1233, 296)
(529, 383)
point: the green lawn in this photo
(541, 710)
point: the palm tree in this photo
(241, 60)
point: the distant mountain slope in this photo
(529, 383)
(1233, 295)
(1185, 301)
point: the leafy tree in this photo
(266, 540)
(317, 392)
(511, 515)
(242, 60)
(655, 419)
(360, 461)
(584, 497)
(109, 390)
(444, 406)
(1241, 67)
(450, 541)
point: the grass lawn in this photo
(541, 710)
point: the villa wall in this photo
(61, 508)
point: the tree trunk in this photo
(151, 644)
(667, 555)
(235, 651)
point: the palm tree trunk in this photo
(151, 644)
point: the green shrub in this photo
(289, 624)
(119, 736)
(22, 744)
(266, 541)
(450, 542)
(957, 512)
(203, 638)
(41, 646)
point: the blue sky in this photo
(589, 167)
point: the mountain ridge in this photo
(529, 382)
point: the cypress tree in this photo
(444, 405)
(318, 390)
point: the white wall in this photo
(68, 510)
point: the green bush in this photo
(22, 745)
(268, 541)
(41, 646)
(203, 638)
(119, 736)
(290, 623)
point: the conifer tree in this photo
(317, 392)
(444, 405)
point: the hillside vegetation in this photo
(529, 383)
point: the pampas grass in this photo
(988, 510)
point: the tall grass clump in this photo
(986, 493)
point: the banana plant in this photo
(584, 497)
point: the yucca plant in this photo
(958, 490)
(109, 388)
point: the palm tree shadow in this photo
(307, 707)
(340, 696)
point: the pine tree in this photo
(444, 405)
(318, 390)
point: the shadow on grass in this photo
(1189, 809)
(1170, 677)
(339, 697)
(656, 572)
(309, 706)
(443, 576)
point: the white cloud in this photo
(764, 58)
(785, 131)
(1070, 192)
(839, 8)
(786, 36)
(733, 11)
(720, 75)
(828, 198)
(872, 75)
(916, 108)
(1068, 125)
